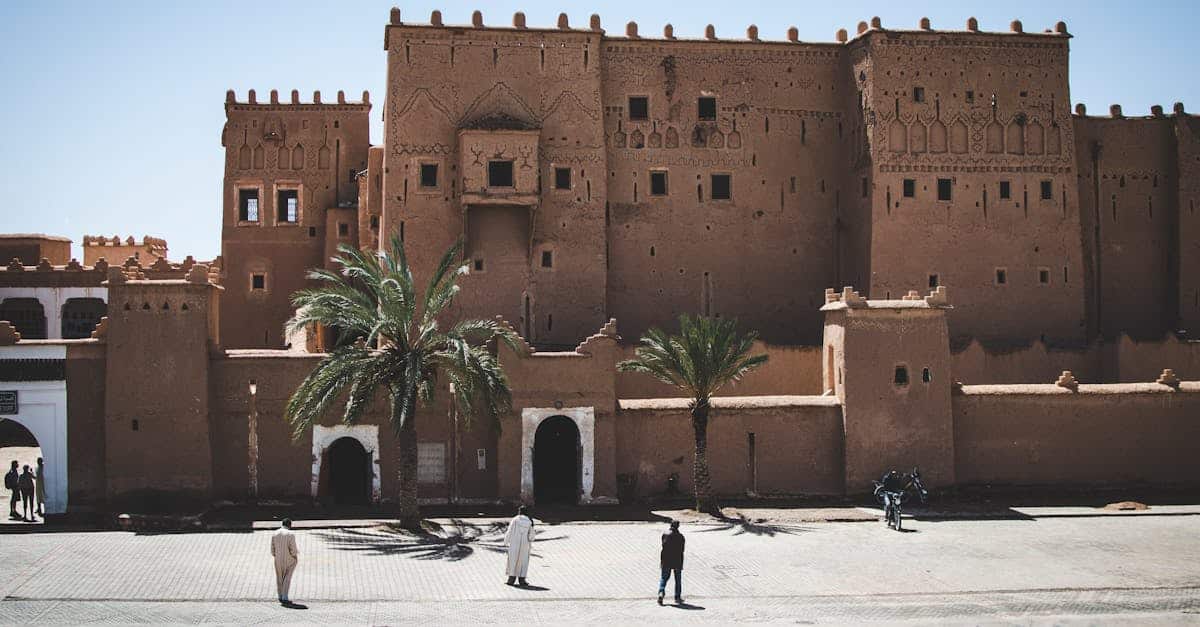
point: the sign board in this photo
(8, 403)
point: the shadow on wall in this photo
(1123, 360)
(790, 371)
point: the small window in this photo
(706, 108)
(639, 108)
(722, 186)
(248, 205)
(910, 188)
(934, 281)
(1044, 276)
(866, 189)
(288, 206)
(478, 265)
(343, 229)
(429, 175)
(926, 376)
(1005, 190)
(312, 231)
(547, 259)
(918, 94)
(900, 377)
(500, 173)
(1047, 191)
(374, 223)
(944, 189)
(562, 178)
(1065, 274)
(1001, 276)
(658, 183)
(258, 281)
(970, 96)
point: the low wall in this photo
(789, 371)
(798, 444)
(1045, 434)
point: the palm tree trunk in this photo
(406, 440)
(701, 479)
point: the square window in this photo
(288, 207)
(1044, 276)
(918, 94)
(429, 175)
(658, 183)
(343, 229)
(900, 376)
(910, 188)
(706, 108)
(478, 265)
(1005, 190)
(248, 205)
(934, 281)
(258, 281)
(722, 186)
(1047, 190)
(639, 108)
(547, 259)
(562, 178)
(944, 189)
(1001, 276)
(500, 173)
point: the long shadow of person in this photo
(295, 606)
(687, 606)
(532, 588)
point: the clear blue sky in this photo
(112, 111)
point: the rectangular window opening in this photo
(944, 189)
(1005, 190)
(910, 188)
(918, 94)
(1001, 276)
(562, 178)
(722, 186)
(500, 173)
(1047, 190)
(658, 183)
(343, 229)
(288, 206)
(258, 281)
(248, 205)
(706, 108)
(429, 175)
(934, 281)
(1044, 276)
(477, 265)
(900, 376)
(547, 259)
(374, 223)
(639, 108)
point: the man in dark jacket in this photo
(671, 559)
(27, 485)
(10, 483)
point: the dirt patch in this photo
(1127, 506)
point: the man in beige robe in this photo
(519, 540)
(283, 549)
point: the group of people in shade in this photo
(519, 542)
(28, 489)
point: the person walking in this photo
(26, 483)
(519, 540)
(41, 488)
(283, 549)
(671, 560)
(11, 482)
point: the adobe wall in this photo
(789, 371)
(441, 80)
(778, 131)
(370, 200)
(315, 148)
(797, 445)
(1129, 188)
(995, 108)
(1187, 142)
(1045, 434)
(31, 248)
(86, 376)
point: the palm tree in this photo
(707, 354)
(391, 342)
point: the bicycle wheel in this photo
(896, 512)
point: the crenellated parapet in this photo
(606, 335)
(848, 298)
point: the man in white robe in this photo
(283, 549)
(519, 540)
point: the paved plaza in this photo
(1061, 569)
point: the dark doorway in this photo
(349, 472)
(18, 444)
(556, 465)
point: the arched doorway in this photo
(18, 444)
(80, 317)
(556, 461)
(349, 472)
(26, 315)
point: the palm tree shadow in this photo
(740, 525)
(456, 541)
